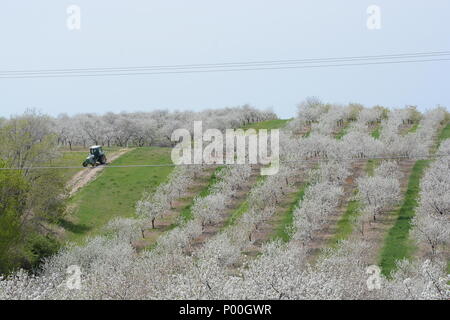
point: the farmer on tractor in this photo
(96, 155)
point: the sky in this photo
(128, 33)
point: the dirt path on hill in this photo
(87, 175)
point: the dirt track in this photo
(85, 176)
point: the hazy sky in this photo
(125, 33)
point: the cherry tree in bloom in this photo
(319, 202)
(154, 205)
(320, 199)
(311, 109)
(332, 120)
(359, 145)
(147, 128)
(418, 280)
(378, 193)
(431, 224)
(369, 117)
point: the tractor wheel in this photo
(103, 160)
(85, 164)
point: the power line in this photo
(217, 70)
(231, 67)
(233, 64)
(215, 164)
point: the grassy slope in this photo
(397, 244)
(116, 190)
(444, 134)
(269, 124)
(85, 150)
(186, 212)
(371, 165)
(242, 208)
(69, 159)
(283, 230)
(343, 131)
(74, 158)
(413, 128)
(345, 222)
(376, 132)
(236, 214)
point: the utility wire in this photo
(214, 164)
(233, 64)
(232, 67)
(216, 70)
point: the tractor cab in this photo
(96, 150)
(96, 155)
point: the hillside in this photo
(352, 195)
(115, 191)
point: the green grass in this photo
(283, 230)
(73, 158)
(186, 212)
(115, 191)
(236, 214)
(444, 134)
(413, 128)
(269, 124)
(376, 132)
(371, 165)
(241, 209)
(69, 159)
(345, 223)
(397, 244)
(342, 132)
(85, 150)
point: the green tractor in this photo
(96, 155)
